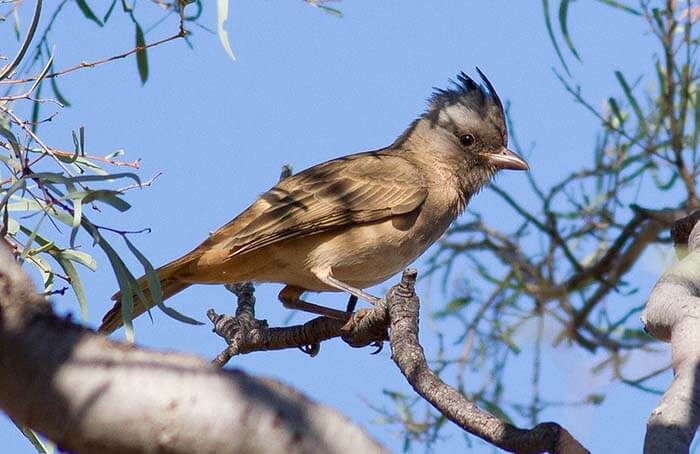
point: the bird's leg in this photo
(291, 299)
(352, 302)
(333, 282)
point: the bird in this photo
(353, 222)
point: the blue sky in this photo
(308, 87)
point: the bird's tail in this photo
(169, 286)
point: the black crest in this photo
(477, 97)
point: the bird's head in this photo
(467, 120)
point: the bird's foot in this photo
(290, 297)
(311, 349)
(239, 331)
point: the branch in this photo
(180, 34)
(398, 310)
(7, 70)
(672, 314)
(245, 334)
(76, 387)
(403, 308)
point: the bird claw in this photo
(379, 347)
(354, 320)
(352, 303)
(311, 349)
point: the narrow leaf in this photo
(154, 287)
(75, 282)
(14, 143)
(141, 56)
(632, 100)
(109, 11)
(109, 197)
(332, 11)
(36, 107)
(618, 5)
(552, 38)
(87, 12)
(47, 275)
(80, 257)
(563, 23)
(58, 178)
(222, 16)
(59, 96)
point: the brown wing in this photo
(367, 187)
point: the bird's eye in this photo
(467, 140)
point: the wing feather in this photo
(368, 187)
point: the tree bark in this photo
(89, 394)
(672, 314)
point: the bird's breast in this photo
(365, 255)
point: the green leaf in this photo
(59, 96)
(58, 178)
(332, 11)
(552, 38)
(79, 257)
(222, 15)
(22, 204)
(77, 213)
(197, 14)
(141, 56)
(452, 307)
(44, 269)
(636, 334)
(31, 237)
(664, 186)
(12, 227)
(109, 197)
(618, 5)
(595, 399)
(109, 11)
(14, 143)
(36, 106)
(154, 287)
(123, 278)
(563, 23)
(87, 12)
(632, 100)
(115, 154)
(75, 282)
(18, 27)
(615, 108)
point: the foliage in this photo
(563, 264)
(51, 198)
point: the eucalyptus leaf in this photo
(155, 289)
(221, 17)
(563, 23)
(87, 12)
(75, 282)
(552, 38)
(59, 178)
(141, 56)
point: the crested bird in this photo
(355, 221)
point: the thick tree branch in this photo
(76, 388)
(399, 311)
(403, 308)
(672, 314)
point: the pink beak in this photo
(506, 159)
